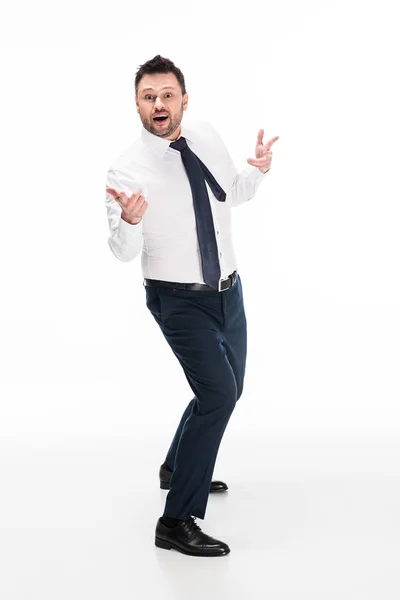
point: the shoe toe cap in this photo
(218, 548)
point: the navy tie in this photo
(197, 171)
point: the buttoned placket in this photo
(224, 270)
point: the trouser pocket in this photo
(153, 303)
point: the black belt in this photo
(201, 287)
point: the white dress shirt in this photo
(167, 234)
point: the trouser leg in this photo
(235, 341)
(170, 458)
(203, 359)
(207, 334)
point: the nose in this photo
(158, 104)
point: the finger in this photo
(142, 209)
(136, 199)
(120, 197)
(260, 136)
(134, 203)
(138, 203)
(138, 210)
(136, 194)
(258, 162)
(111, 191)
(271, 141)
(263, 156)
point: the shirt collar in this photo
(160, 145)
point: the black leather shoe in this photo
(188, 538)
(165, 480)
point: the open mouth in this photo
(160, 118)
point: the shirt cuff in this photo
(258, 173)
(255, 175)
(128, 230)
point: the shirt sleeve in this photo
(244, 184)
(125, 239)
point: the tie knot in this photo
(180, 144)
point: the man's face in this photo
(161, 94)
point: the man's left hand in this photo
(263, 153)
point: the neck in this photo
(178, 135)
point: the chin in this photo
(162, 133)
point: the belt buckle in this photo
(220, 284)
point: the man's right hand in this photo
(133, 207)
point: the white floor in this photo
(307, 516)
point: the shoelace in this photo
(191, 526)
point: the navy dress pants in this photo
(207, 331)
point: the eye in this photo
(150, 96)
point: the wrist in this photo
(130, 220)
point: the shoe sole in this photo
(170, 546)
(166, 486)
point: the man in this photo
(169, 196)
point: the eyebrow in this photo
(169, 87)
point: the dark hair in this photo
(159, 64)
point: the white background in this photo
(318, 247)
